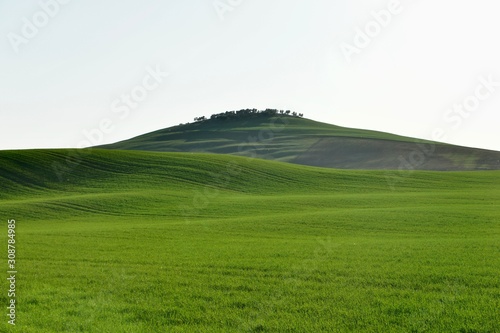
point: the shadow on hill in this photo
(359, 153)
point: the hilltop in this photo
(290, 138)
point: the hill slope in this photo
(303, 141)
(126, 241)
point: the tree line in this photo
(249, 113)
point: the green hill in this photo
(302, 141)
(128, 241)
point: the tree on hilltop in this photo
(247, 113)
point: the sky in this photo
(81, 73)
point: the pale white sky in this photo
(67, 67)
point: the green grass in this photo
(113, 241)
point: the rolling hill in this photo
(130, 241)
(303, 141)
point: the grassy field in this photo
(114, 241)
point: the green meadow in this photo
(116, 241)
